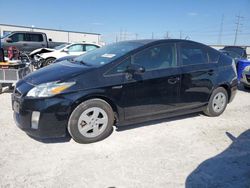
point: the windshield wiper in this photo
(83, 63)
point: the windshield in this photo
(5, 35)
(60, 46)
(106, 54)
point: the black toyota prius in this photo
(123, 83)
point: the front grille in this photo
(248, 78)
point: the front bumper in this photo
(53, 119)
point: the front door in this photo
(157, 89)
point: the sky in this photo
(206, 21)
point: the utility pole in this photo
(221, 30)
(167, 35)
(180, 34)
(120, 35)
(116, 38)
(238, 24)
(136, 36)
(152, 35)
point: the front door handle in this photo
(173, 80)
(210, 72)
(117, 87)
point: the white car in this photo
(46, 56)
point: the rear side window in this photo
(34, 37)
(89, 47)
(213, 55)
(193, 54)
(160, 56)
(76, 48)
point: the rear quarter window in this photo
(225, 60)
(213, 55)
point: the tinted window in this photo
(192, 54)
(121, 68)
(89, 47)
(158, 57)
(34, 37)
(17, 37)
(213, 55)
(76, 48)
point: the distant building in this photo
(54, 34)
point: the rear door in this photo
(199, 73)
(34, 41)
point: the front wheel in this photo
(91, 121)
(49, 61)
(217, 102)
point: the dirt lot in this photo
(191, 151)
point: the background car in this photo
(123, 83)
(48, 56)
(246, 77)
(27, 41)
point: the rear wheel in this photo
(49, 61)
(91, 121)
(217, 102)
(247, 87)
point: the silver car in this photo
(246, 77)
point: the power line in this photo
(238, 24)
(221, 29)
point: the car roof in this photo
(148, 41)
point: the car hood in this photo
(41, 50)
(56, 72)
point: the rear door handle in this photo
(173, 80)
(211, 72)
(25, 44)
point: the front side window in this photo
(76, 48)
(17, 37)
(193, 54)
(122, 67)
(161, 56)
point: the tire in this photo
(247, 87)
(1, 88)
(49, 61)
(83, 123)
(217, 102)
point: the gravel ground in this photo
(190, 151)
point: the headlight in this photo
(49, 89)
(247, 69)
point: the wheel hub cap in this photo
(92, 122)
(219, 102)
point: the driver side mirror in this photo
(66, 50)
(9, 40)
(135, 69)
